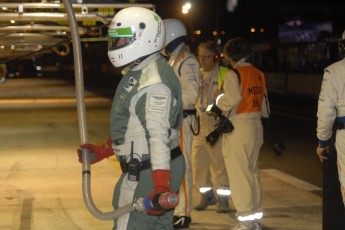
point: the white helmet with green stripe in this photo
(134, 33)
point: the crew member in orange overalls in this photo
(244, 101)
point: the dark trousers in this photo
(333, 206)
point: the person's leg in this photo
(126, 191)
(185, 194)
(239, 155)
(177, 170)
(255, 152)
(221, 181)
(201, 164)
(340, 147)
(218, 165)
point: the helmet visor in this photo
(120, 37)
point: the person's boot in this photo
(181, 222)
(247, 225)
(223, 204)
(207, 198)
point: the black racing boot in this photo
(181, 222)
(223, 204)
(207, 199)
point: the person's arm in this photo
(265, 108)
(232, 92)
(189, 78)
(153, 110)
(326, 114)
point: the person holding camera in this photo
(207, 158)
(244, 103)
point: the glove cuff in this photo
(161, 180)
(108, 148)
(323, 144)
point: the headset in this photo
(217, 57)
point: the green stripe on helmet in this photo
(120, 32)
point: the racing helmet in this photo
(174, 28)
(134, 32)
(238, 49)
(341, 45)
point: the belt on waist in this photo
(187, 112)
(146, 164)
(340, 125)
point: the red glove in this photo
(161, 184)
(97, 152)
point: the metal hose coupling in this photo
(166, 201)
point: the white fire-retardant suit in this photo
(186, 67)
(208, 159)
(331, 108)
(244, 96)
(146, 112)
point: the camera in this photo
(223, 124)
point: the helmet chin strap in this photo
(137, 62)
(136, 65)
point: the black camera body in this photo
(223, 124)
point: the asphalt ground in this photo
(40, 177)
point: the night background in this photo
(288, 36)
(293, 40)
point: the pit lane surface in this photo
(40, 176)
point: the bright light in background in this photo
(252, 30)
(262, 30)
(13, 21)
(197, 32)
(186, 7)
(215, 33)
(231, 5)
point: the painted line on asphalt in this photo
(291, 180)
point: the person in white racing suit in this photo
(207, 159)
(331, 109)
(244, 102)
(145, 119)
(186, 67)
